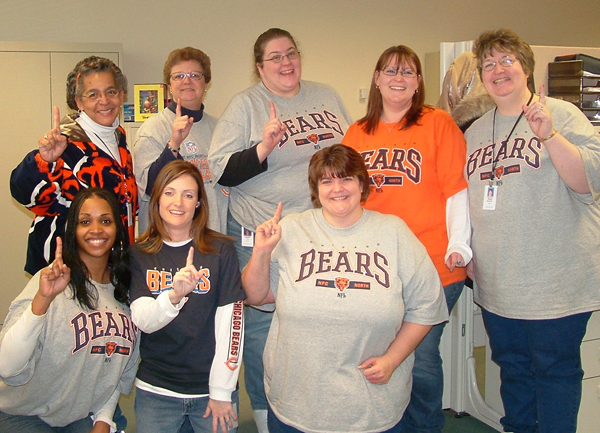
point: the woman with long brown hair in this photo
(415, 154)
(187, 301)
(68, 348)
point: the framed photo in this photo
(148, 100)
(128, 113)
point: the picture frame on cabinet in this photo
(148, 100)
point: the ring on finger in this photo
(50, 266)
(46, 136)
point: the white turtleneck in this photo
(102, 136)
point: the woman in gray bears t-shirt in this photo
(261, 148)
(68, 348)
(353, 302)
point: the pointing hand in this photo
(53, 143)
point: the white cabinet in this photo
(33, 78)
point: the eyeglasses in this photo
(278, 58)
(95, 96)
(505, 62)
(180, 76)
(407, 73)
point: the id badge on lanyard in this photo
(490, 194)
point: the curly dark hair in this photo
(118, 262)
(90, 65)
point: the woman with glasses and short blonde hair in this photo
(82, 150)
(536, 243)
(182, 131)
(415, 154)
(260, 149)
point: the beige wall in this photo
(340, 40)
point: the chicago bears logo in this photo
(313, 138)
(111, 346)
(341, 283)
(498, 172)
(378, 180)
(232, 363)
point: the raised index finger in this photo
(58, 253)
(190, 257)
(56, 118)
(273, 114)
(542, 95)
(278, 212)
(178, 109)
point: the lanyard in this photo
(122, 171)
(495, 159)
(107, 149)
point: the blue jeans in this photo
(424, 412)
(256, 329)
(33, 424)
(156, 413)
(120, 419)
(540, 371)
(276, 426)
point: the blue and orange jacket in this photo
(47, 189)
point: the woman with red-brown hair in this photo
(415, 155)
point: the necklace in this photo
(495, 158)
(389, 128)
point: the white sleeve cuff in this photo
(107, 412)
(110, 422)
(219, 394)
(458, 226)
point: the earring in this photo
(377, 87)
(417, 91)
(198, 205)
